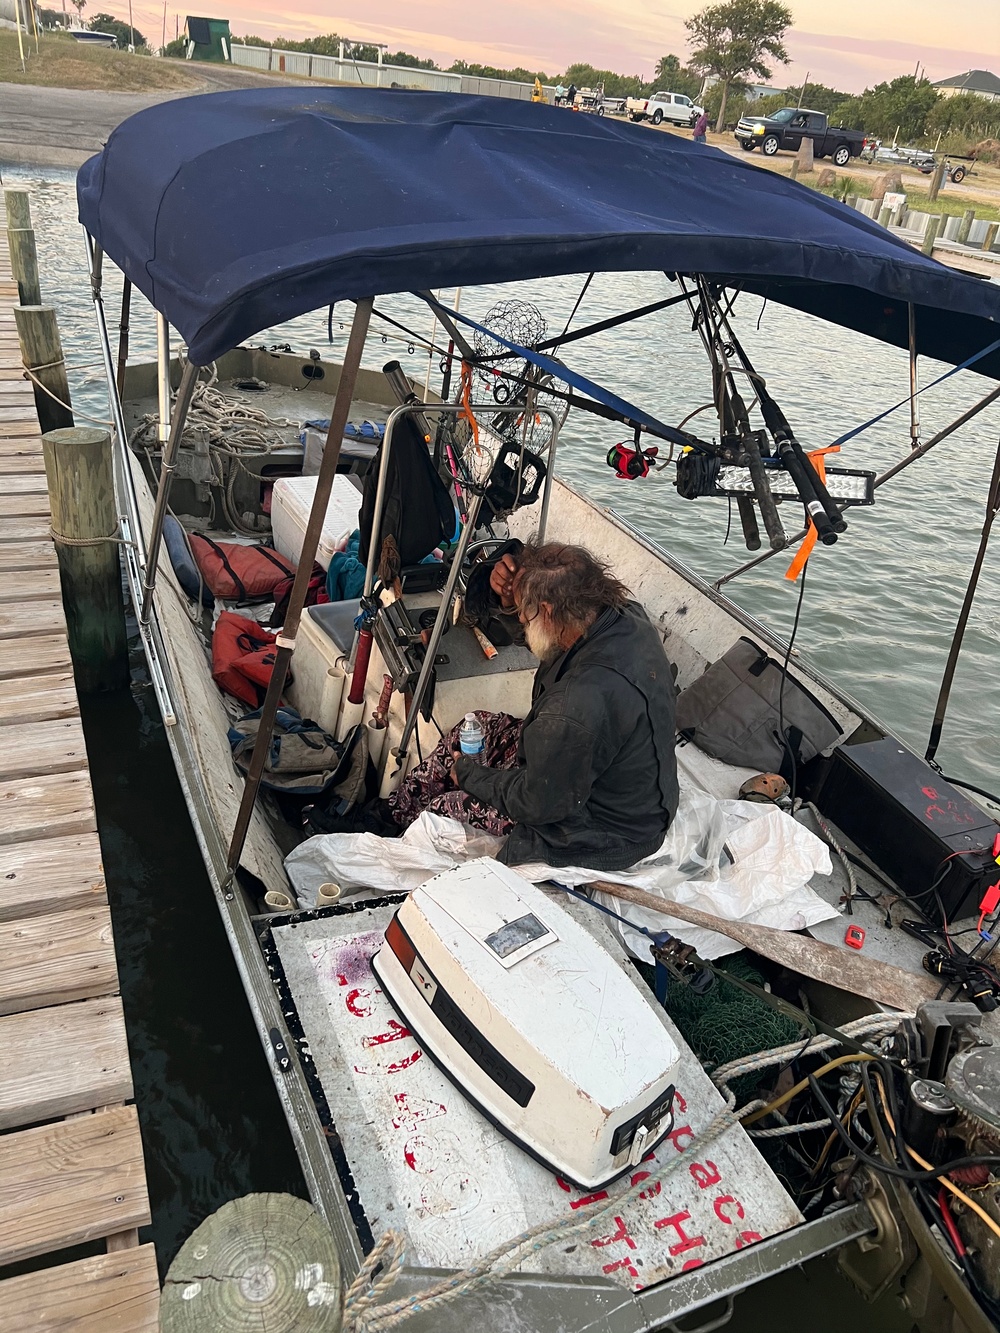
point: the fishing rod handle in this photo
(765, 500)
(837, 520)
(748, 518)
(798, 469)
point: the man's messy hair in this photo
(573, 582)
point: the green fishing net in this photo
(727, 1022)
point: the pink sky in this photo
(849, 44)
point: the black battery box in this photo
(911, 822)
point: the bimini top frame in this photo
(229, 213)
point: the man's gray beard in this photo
(542, 640)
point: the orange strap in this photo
(467, 402)
(817, 458)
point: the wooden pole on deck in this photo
(931, 234)
(990, 239)
(42, 353)
(965, 226)
(84, 526)
(21, 240)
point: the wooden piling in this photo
(931, 234)
(793, 174)
(884, 214)
(965, 226)
(82, 499)
(21, 242)
(990, 239)
(41, 352)
(937, 180)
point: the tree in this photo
(124, 35)
(79, 6)
(902, 105)
(737, 38)
(666, 68)
(178, 48)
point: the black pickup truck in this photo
(789, 126)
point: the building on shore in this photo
(978, 81)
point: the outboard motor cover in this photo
(537, 1024)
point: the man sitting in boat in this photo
(589, 778)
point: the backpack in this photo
(732, 712)
(418, 511)
(239, 573)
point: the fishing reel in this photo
(630, 463)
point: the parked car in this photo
(675, 107)
(789, 126)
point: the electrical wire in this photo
(951, 1166)
(903, 1172)
(802, 1085)
(969, 786)
(784, 679)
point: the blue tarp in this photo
(235, 211)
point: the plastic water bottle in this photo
(470, 736)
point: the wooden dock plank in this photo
(71, 1182)
(58, 1062)
(27, 555)
(36, 749)
(29, 585)
(29, 445)
(56, 959)
(50, 876)
(40, 654)
(110, 1293)
(46, 807)
(32, 483)
(24, 506)
(24, 529)
(28, 619)
(37, 697)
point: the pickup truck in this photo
(789, 126)
(675, 107)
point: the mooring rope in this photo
(116, 539)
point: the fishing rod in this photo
(739, 436)
(826, 515)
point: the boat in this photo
(92, 36)
(222, 211)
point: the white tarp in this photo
(740, 860)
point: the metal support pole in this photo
(168, 462)
(123, 330)
(427, 665)
(941, 707)
(911, 311)
(163, 377)
(300, 585)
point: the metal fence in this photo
(367, 74)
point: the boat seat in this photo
(336, 620)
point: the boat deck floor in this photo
(425, 1162)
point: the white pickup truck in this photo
(675, 107)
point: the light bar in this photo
(849, 486)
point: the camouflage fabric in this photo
(429, 785)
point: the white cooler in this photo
(291, 501)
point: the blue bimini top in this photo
(236, 211)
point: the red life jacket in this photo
(239, 573)
(242, 658)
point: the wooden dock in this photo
(71, 1165)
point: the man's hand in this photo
(503, 580)
(453, 776)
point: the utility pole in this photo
(131, 30)
(802, 91)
